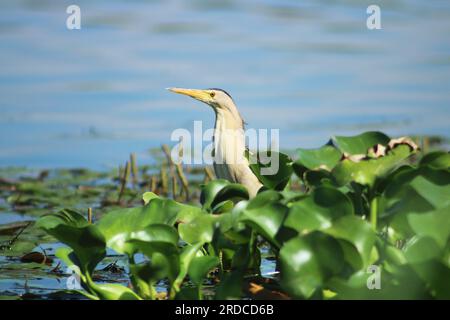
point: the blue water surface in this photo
(89, 97)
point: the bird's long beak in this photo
(201, 95)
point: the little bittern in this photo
(229, 161)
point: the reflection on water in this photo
(310, 68)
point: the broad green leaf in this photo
(70, 228)
(230, 287)
(279, 169)
(403, 284)
(415, 191)
(326, 158)
(67, 256)
(436, 160)
(210, 191)
(118, 224)
(436, 275)
(266, 220)
(422, 248)
(200, 229)
(224, 206)
(200, 266)
(66, 216)
(187, 255)
(264, 198)
(360, 144)
(318, 210)
(367, 171)
(358, 233)
(164, 259)
(315, 178)
(112, 291)
(232, 191)
(436, 194)
(156, 232)
(148, 196)
(307, 262)
(393, 254)
(433, 186)
(435, 224)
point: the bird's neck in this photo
(229, 137)
(227, 120)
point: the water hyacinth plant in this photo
(329, 218)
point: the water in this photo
(310, 68)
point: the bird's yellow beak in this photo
(202, 95)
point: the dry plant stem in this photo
(174, 188)
(166, 151)
(184, 181)
(153, 184)
(209, 176)
(180, 173)
(134, 169)
(164, 181)
(125, 178)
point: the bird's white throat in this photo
(229, 138)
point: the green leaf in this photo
(420, 191)
(200, 229)
(367, 171)
(164, 260)
(187, 255)
(307, 262)
(148, 196)
(326, 158)
(119, 224)
(266, 220)
(264, 198)
(315, 178)
(112, 291)
(230, 287)
(70, 228)
(66, 216)
(420, 249)
(67, 256)
(318, 210)
(404, 284)
(360, 144)
(433, 186)
(436, 160)
(280, 170)
(436, 275)
(156, 232)
(224, 206)
(435, 224)
(200, 266)
(210, 191)
(356, 232)
(233, 191)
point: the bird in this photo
(229, 160)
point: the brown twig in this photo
(209, 175)
(180, 173)
(134, 169)
(166, 151)
(153, 184)
(164, 182)
(125, 178)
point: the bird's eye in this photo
(212, 94)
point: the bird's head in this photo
(218, 99)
